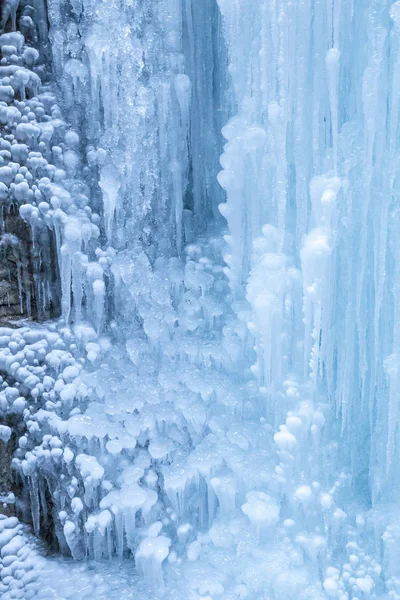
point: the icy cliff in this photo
(207, 193)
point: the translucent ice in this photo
(207, 194)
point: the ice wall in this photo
(130, 73)
(313, 152)
(219, 402)
(48, 230)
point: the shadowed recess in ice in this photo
(211, 190)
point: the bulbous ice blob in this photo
(285, 440)
(262, 510)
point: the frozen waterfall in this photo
(200, 299)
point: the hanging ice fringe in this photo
(203, 197)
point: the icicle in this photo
(178, 201)
(35, 505)
(110, 184)
(332, 61)
(9, 11)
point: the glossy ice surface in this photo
(215, 414)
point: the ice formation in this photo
(202, 402)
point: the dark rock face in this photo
(8, 483)
(29, 273)
(29, 277)
(14, 277)
(26, 290)
(6, 478)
